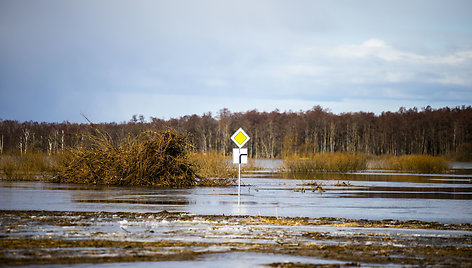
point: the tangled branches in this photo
(157, 158)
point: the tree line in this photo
(273, 134)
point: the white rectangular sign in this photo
(239, 154)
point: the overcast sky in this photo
(112, 59)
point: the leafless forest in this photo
(430, 131)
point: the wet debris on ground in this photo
(311, 186)
(345, 184)
(59, 237)
(310, 265)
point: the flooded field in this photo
(368, 218)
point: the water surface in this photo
(365, 195)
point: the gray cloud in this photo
(61, 58)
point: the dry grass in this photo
(152, 158)
(27, 166)
(413, 163)
(251, 165)
(214, 169)
(325, 162)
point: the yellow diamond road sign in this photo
(240, 137)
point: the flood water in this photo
(204, 226)
(372, 195)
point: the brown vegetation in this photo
(214, 169)
(158, 158)
(313, 140)
(325, 162)
(28, 166)
(351, 162)
(412, 163)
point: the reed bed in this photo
(413, 163)
(250, 166)
(325, 162)
(214, 169)
(29, 166)
(153, 158)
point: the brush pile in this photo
(157, 158)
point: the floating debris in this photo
(348, 184)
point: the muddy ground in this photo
(54, 237)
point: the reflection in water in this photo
(383, 176)
(443, 198)
(412, 192)
(129, 201)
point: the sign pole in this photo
(239, 179)
(240, 138)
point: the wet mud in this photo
(60, 237)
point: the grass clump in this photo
(325, 162)
(417, 163)
(153, 158)
(27, 166)
(214, 169)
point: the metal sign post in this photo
(239, 178)
(240, 155)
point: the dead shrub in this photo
(157, 158)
